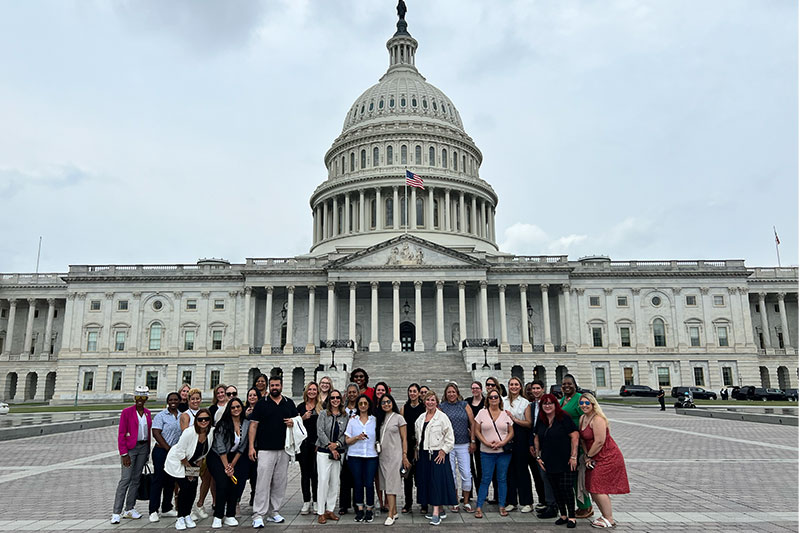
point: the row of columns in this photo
(454, 213)
(765, 329)
(12, 316)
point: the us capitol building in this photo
(384, 281)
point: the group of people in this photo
(358, 445)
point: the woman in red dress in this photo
(605, 467)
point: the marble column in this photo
(48, 328)
(361, 212)
(374, 344)
(310, 346)
(346, 228)
(548, 340)
(26, 348)
(447, 210)
(441, 344)
(504, 347)
(396, 347)
(482, 231)
(336, 228)
(473, 217)
(787, 342)
(288, 348)
(411, 219)
(491, 224)
(523, 306)
(419, 344)
(429, 222)
(267, 346)
(246, 341)
(567, 335)
(462, 313)
(484, 311)
(351, 319)
(747, 318)
(378, 209)
(762, 306)
(462, 213)
(395, 209)
(325, 225)
(329, 331)
(680, 333)
(711, 334)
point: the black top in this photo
(310, 425)
(410, 414)
(475, 408)
(554, 443)
(422, 436)
(271, 431)
(199, 451)
(183, 407)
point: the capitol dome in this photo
(403, 124)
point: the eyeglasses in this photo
(494, 397)
(584, 403)
(236, 406)
(335, 397)
(204, 419)
(231, 394)
(548, 403)
(386, 402)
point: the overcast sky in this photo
(155, 131)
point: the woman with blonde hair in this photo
(434, 444)
(309, 411)
(605, 466)
(519, 477)
(460, 415)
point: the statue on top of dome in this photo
(401, 10)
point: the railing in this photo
(661, 265)
(283, 262)
(538, 348)
(515, 348)
(337, 343)
(773, 273)
(207, 268)
(31, 279)
(298, 349)
(780, 351)
(478, 343)
(560, 348)
(255, 350)
(276, 350)
(546, 259)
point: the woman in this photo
(555, 445)
(605, 467)
(346, 481)
(410, 412)
(360, 377)
(187, 417)
(391, 428)
(217, 409)
(309, 411)
(362, 457)
(381, 389)
(331, 427)
(218, 402)
(435, 442)
(183, 404)
(260, 384)
(183, 463)
(223, 462)
(519, 477)
(166, 432)
(476, 403)
(569, 403)
(252, 399)
(494, 429)
(325, 386)
(133, 442)
(460, 416)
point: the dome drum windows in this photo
(424, 104)
(404, 155)
(375, 157)
(444, 158)
(431, 156)
(363, 159)
(413, 101)
(371, 105)
(352, 162)
(418, 155)
(389, 155)
(391, 101)
(435, 108)
(402, 101)
(380, 104)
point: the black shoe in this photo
(547, 513)
(369, 516)
(541, 507)
(561, 521)
(359, 515)
(423, 509)
(572, 524)
(342, 511)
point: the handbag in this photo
(383, 432)
(192, 471)
(508, 446)
(145, 481)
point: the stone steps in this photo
(399, 369)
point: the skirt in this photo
(435, 483)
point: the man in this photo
(546, 508)
(166, 432)
(661, 399)
(268, 424)
(134, 446)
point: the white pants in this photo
(327, 482)
(273, 469)
(459, 463)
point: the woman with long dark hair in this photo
(362, 457)
(250, 404)
(410, 412)
(331, 427)
(223, 461)
(391, 429)
(260, 384)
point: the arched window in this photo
(391, 101)
(352, 162)
(402, 101)
(444, 158)
(403, 212)
(436, 213)
(659, 333)
(155, 336)
(375, 157)
(363, 159)
(413, 101)
(463, 163)
(420, 212)
(404, 155)
(389, 155)
(418, 155)
(380, 104)
(455, 160)
(336, 172)
(371, 105)
(389, 213)
(362, 109)
(434, 106)
(373, 218)
(431, 156)
(424, 103)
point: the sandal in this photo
(603, 522)
(468, 508)
(503, 511)
(405, 510)
(478, 513)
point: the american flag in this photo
(413, 180)
(777, 240)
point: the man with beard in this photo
(268, 424)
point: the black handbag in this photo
(145, 481)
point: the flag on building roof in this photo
(777, 240)
(413, 180)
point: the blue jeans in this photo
(363, 469)
(490, 462)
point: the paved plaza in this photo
(686, 474)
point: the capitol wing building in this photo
(406, 285)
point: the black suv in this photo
(637, 390)
(791, 394)
(776, 394)
(698, 393)
(751, 392)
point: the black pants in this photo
(538, 482)
(408, 486)
(227, 492)
(562, 484)
(346, 487)
(519, 478)
(661, 402)
(163, 486)
(188, 490)
(308, 470)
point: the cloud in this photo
(530, 239)
(14, 180)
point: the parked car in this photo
(751, 392)
(698, 393)
(555, 390)
(637, 390)
(3, 408)
(776, 395)
(791, 394)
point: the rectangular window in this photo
(780, 340)
(151, 380)
(727, 376)
(3, 313)
(94, 305)
(625, 336)
(722, 335)
(188, 340)
(122, 305)
(155, 337)
(699, 378)
(777, 308)
(719, 300)
(628, 373)
(35, 313)
(761, 340)
(216, 339)
(597, 337)
(119, 341)
(600, 377)
(594, 301)
(663, 376)
(191, 305)
(55, 313)
(622, 301)
(219, 305)
(213, 379)
(186, 377)
(758, 308)
(694, 335)
(691, 300)
(88, 381)
(91, 341)
(116, 380)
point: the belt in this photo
(142, 441)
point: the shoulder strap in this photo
(385, 423)
(495, 425)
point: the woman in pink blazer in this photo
(134, 447)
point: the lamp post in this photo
(333, 354)
(485, 350)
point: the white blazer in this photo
(184, 449)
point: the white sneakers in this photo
(510, 507)
(306, 508)
(198, 513)
(217, 523)
(389, 521)
(189, 521)
(154, 517)
(230, 521)
(115, 518)
(180, 525)
(278, 518)
(132, 513)
(314, 507)
(170, 514)
(525, 509)
(258, 523)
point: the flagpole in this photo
(777, 242)
(38, 254)
(405, 197)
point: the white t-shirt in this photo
(366, 447)
(142, 434)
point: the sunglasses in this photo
(584, 403)
(494, 397)
(335, 397)
(140, 397)
(237, 406)
(387, 402)
(231, 394)
(204, 419)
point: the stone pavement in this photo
(686, 474)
